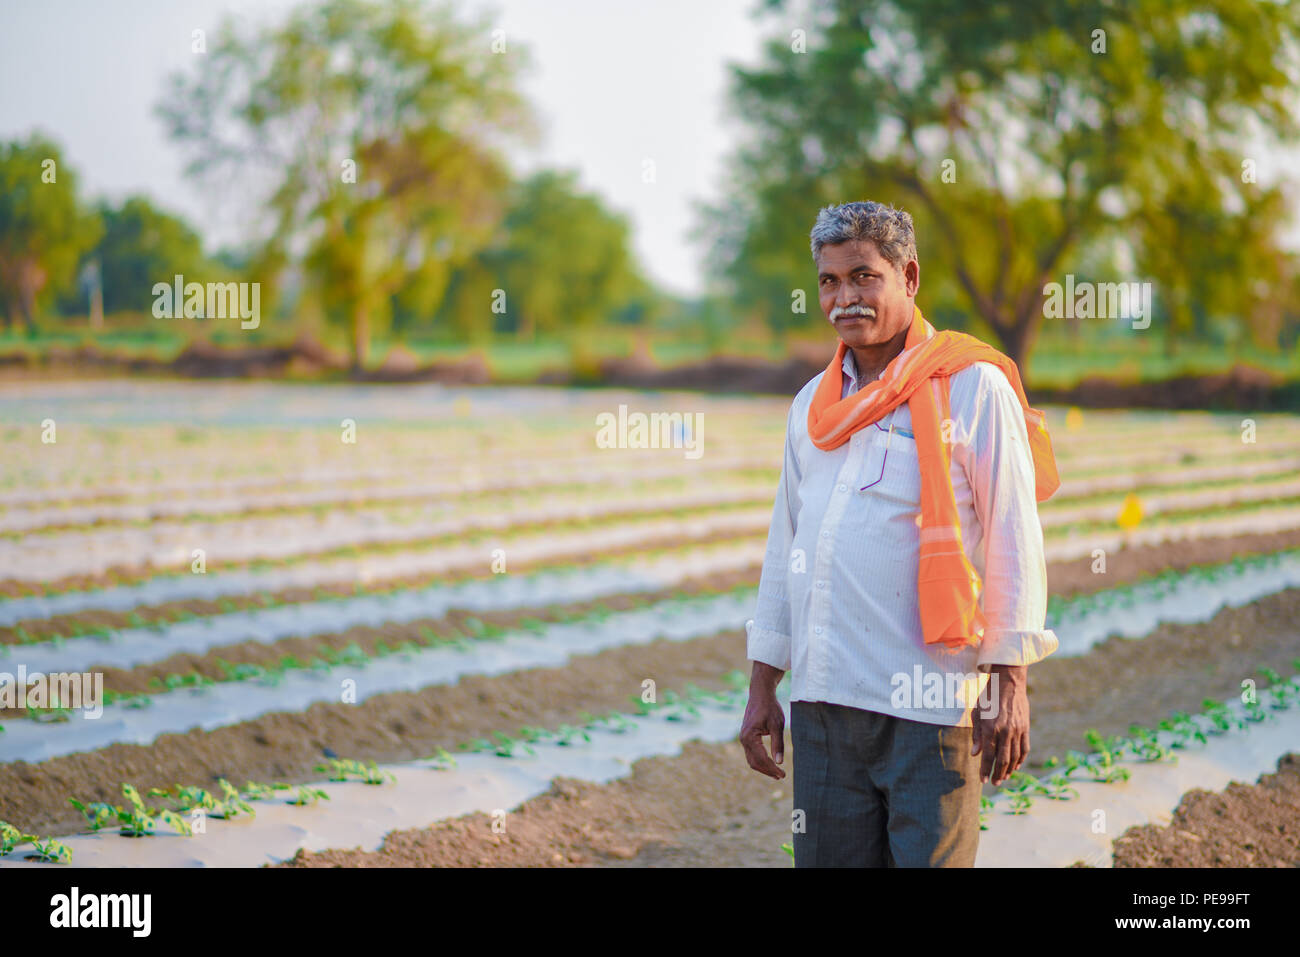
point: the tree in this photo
(1017, 134)
(142, 245)
(369, 134)
(562, 260)
(43, 228)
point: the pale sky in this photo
(613, 83)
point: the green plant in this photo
(1221, 717)
(508, 747)
(308, 796)
(1057, 788)
(442, 760)
(11, 837)
(50, 851)
(343, 769)
(679, 707)
(97, 813)
(1145, 744)
(1184, 729)
(140, 821)
(232, 804)
(261, 792)
(567, 735)
(789, 849)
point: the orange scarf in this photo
(948, 587)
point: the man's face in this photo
(863, 295)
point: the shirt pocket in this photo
(897, 468)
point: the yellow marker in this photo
(1074, 418)
(1130, 513)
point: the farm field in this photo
(414, 625)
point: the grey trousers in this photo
(881, 791)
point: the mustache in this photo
(856, 310)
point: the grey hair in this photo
(889, 228)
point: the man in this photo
(904, 584)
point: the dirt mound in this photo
(1242, 387)
(204, 360)
(402, 365)
(718, 374)
(1244, 825)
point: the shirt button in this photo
(821, 584)
(826, 534)
(818, 629)
(842, 486)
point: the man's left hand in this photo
(1003, 738)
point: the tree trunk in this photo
(360, 337)
(1018, 340)
(27, 307)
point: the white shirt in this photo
(837, 599)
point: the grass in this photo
(1057, 361)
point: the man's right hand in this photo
(763, 717)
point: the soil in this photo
(704, 808)
(1120, 682)
(1244, 825)
(455, 624)
(1107, 689)
(1065, 579)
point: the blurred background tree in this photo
(370, 133)
(44, 229)
(140, 245)
(563, 263)
(1020, 136)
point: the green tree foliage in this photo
(1019, 135)
(406, 97)
(44, 230)
(143, 245)
(561, 260)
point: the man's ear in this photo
(912, 277)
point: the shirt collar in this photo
(850, 367)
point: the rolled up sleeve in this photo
(768, 633)
(1001, 474)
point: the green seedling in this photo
(50, 851)
(508, 747)
(232, 804)
(97, 813)
(1057, 788)
(1184, 729)
(1145, 744)
(679, 707)
(617, 722)
(140, 821)
(262, 792)
(343, 769)
(1020, 802)
(1221, 717)
(442, 760)
(533, 625)
(568, 734)
(308, 796)
(1281, 693)
(54, 714)
(789, 849)
(533, 734)
(11, 837)
(1255, 712)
